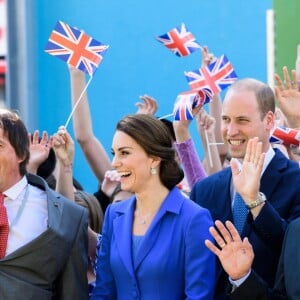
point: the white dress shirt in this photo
(27, 213)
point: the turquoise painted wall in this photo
(136, 63)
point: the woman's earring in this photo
(152, 171)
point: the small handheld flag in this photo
(186, 101)
(75, 47)
(216, 76)
(285, 136)
(180, 41)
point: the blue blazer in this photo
(172, 261)
(281, 185)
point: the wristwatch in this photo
(261, 199)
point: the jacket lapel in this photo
(123, 231)
(220, 209)
(54, 203)
(172, 204)
(272, 174)
(54, 215)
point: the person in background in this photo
(42, 160)
(214, 131)
(63, 146)
(288, 98)
(206, 125)
(155, 238)
(196, 170)
(44, 249)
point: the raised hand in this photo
(205, 121)
(63, 146)
(280, 119)
(288, 96)
(246, 179)
(110, 182)
(207, 57)
(235, 255)
(39, 150)
(181, 127)
(148, 105)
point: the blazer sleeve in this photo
(253, 288)
(72, 282)
(199, 260)
(105, 285)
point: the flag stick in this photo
(77, 102)
(216, 143)
(166, 116)
(208, 148)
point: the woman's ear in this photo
(155, 161)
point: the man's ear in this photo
(270, 120)
(21, 159)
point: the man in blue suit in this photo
(248, 112)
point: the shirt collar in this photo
(268, 157)
(14, 191)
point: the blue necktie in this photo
(239, 212)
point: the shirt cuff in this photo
(236, 283)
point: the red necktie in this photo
(4, 228)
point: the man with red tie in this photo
(43, 236)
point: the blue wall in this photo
(136, 63)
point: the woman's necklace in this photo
(142, 219)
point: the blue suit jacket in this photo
(281, 185)
(172, 261)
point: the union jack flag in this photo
(186, 101)
(285, 136)
(216, 76)
(179, 40)
(75, 47)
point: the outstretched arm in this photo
(215, 110)
(186, 150)
(63, 146)
(206, 128)
(92, 148)
(64, 150)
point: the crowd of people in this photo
(163, 224)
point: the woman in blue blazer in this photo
(153, 243)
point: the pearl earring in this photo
(152, 171)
